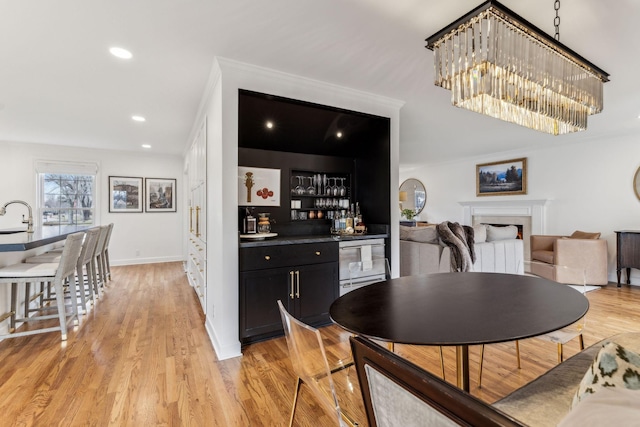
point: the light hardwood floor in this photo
(141, 357)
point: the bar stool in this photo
(105, 253)
(59, 273)
(83, 263)
(98, 259)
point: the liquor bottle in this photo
(358, 218)
(349, 220)
(343, 220)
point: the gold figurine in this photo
(248, 182)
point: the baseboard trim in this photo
(223, 352)
(136, 261)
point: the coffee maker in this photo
(249, 223)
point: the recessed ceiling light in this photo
(146, 146)
(339, 134)
(269, 125)
(138, 118)
(120, 53)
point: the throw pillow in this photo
(501, 233)
(584, 235)
(614, 366)
(613, 406)
(427, 234)
(479, 233)
(405, 232)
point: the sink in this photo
(12, 231)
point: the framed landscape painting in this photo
(160, 195)
(504, 178)
(125, 194)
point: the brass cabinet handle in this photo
(291, 282)
(318, 253)
(298, 283)
(190, 219)
(197, 221)
(267, 257)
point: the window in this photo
(67, 195)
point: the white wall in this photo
(589, 186)
(137, 237)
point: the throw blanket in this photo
(460, 239)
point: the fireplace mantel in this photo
(535, 209)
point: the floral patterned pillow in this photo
(614, 366)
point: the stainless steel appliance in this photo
(362, 262)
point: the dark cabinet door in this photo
(259, 292)
(318, 284)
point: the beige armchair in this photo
(580, 250)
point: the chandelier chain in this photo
(556, 21)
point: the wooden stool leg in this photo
(80, 287)
(14, 303)
(73, 291)
(41, 294)
(27, 297)
(62, 315)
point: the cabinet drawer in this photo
(262, 257)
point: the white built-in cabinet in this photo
(197, 206)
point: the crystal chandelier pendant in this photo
(497, 64)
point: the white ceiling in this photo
(59, 84)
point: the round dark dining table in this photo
(459, 309)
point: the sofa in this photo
(549, 399)
(579, 250)
(497, 250)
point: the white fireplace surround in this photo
(528, 213)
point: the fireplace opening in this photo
(520, 228)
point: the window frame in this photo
(49, 167)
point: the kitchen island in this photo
(17, 240)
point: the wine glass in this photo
(342, 190)
(334, 187)
(311, 190)
(299, 188)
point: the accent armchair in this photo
(580, 250)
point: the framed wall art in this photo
(160, 194)
(504, 178)
(258, 186)
(125, 194)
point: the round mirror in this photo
(636, 183)
(413, 195)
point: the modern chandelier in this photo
(498, 64)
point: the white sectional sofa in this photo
(497, 250)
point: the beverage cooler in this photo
(362, 263)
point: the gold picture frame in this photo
(503, 178)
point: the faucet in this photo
(28, 221)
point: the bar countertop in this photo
(15, 240)
(293, 240)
